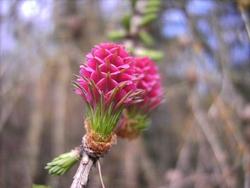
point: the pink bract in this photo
(107, 77)
(148, 80)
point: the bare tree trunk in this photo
(131, 164)
(147, 166)
(36, 125)
(62, 80)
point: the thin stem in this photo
(100, 173)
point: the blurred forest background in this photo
(200, 136)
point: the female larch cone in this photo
(107, 83)
(135, 118)
(107, 75)
(148, 79)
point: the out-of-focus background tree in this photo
(200, 136)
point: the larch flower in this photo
(148, 79)
(136, 117)
(107, 83)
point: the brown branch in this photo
(82, 174)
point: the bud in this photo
(61, 164)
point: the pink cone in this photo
(107, 77)
(148, 80)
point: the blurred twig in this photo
(211, 136)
